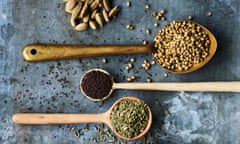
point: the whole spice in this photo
(70, 4)
(180, 45)
(128, 4)
(129, 117)
(81, 27)
(96, 84)
(92, 12)
(106, 5)
(114, 11)
(92, 24)
(99, 19)
(129, 26)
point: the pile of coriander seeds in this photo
(90, 13)
(180, 45)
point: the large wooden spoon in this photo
(40, 118)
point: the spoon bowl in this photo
(44, 52)
(40, 118)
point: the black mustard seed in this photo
(96, 84)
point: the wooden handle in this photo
(233, 86)
(44, 52)
(38, 118)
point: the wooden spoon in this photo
(44, 52)
(232, 86)
(40, 118)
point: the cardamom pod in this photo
(85, 9)
(93, 15)
(99, 19)
(86, 18)
(94, 5)
(105, 15)
(92, 24)
(75, 13)
(70, 4)
(114, 11)
(106, 5)
(81, 27)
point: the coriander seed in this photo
(130, 27)
(132, 60)
(180, 45)
(147, 6)
(162, 11)
(128, 4)
(149, 80)
(165, 74)
(190, 17)
(145, 42)
(209, 14)
(129, 79)
(163, 18)
(104, 60)
(130, 66)
(148, 31)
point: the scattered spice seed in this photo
(190, 17)
(162, 11)
(104, 60)
(129, 79)
(154, 14)
(149, 80)
(147, 6)
(148, 31)
(153, 62)
(146, 65)
(209, 14)
(156, 24)
(132, 60)
(76, 134)
(157, 103)
(130, 27)
(130, 66)
(145, 42)
(163, 18)
(129, 4)
(72, 128)
(166, 74)
(133, 77)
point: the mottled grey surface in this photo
(51, 87)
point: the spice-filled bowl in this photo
(129, 117)
(179, 47)
(183, 46)
(96, 84)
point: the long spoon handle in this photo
(44, 52)
(233, 86)
(38, 118)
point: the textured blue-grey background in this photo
(54, 86)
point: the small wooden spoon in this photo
(44, 52)
(232, 86)
(40, 118)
